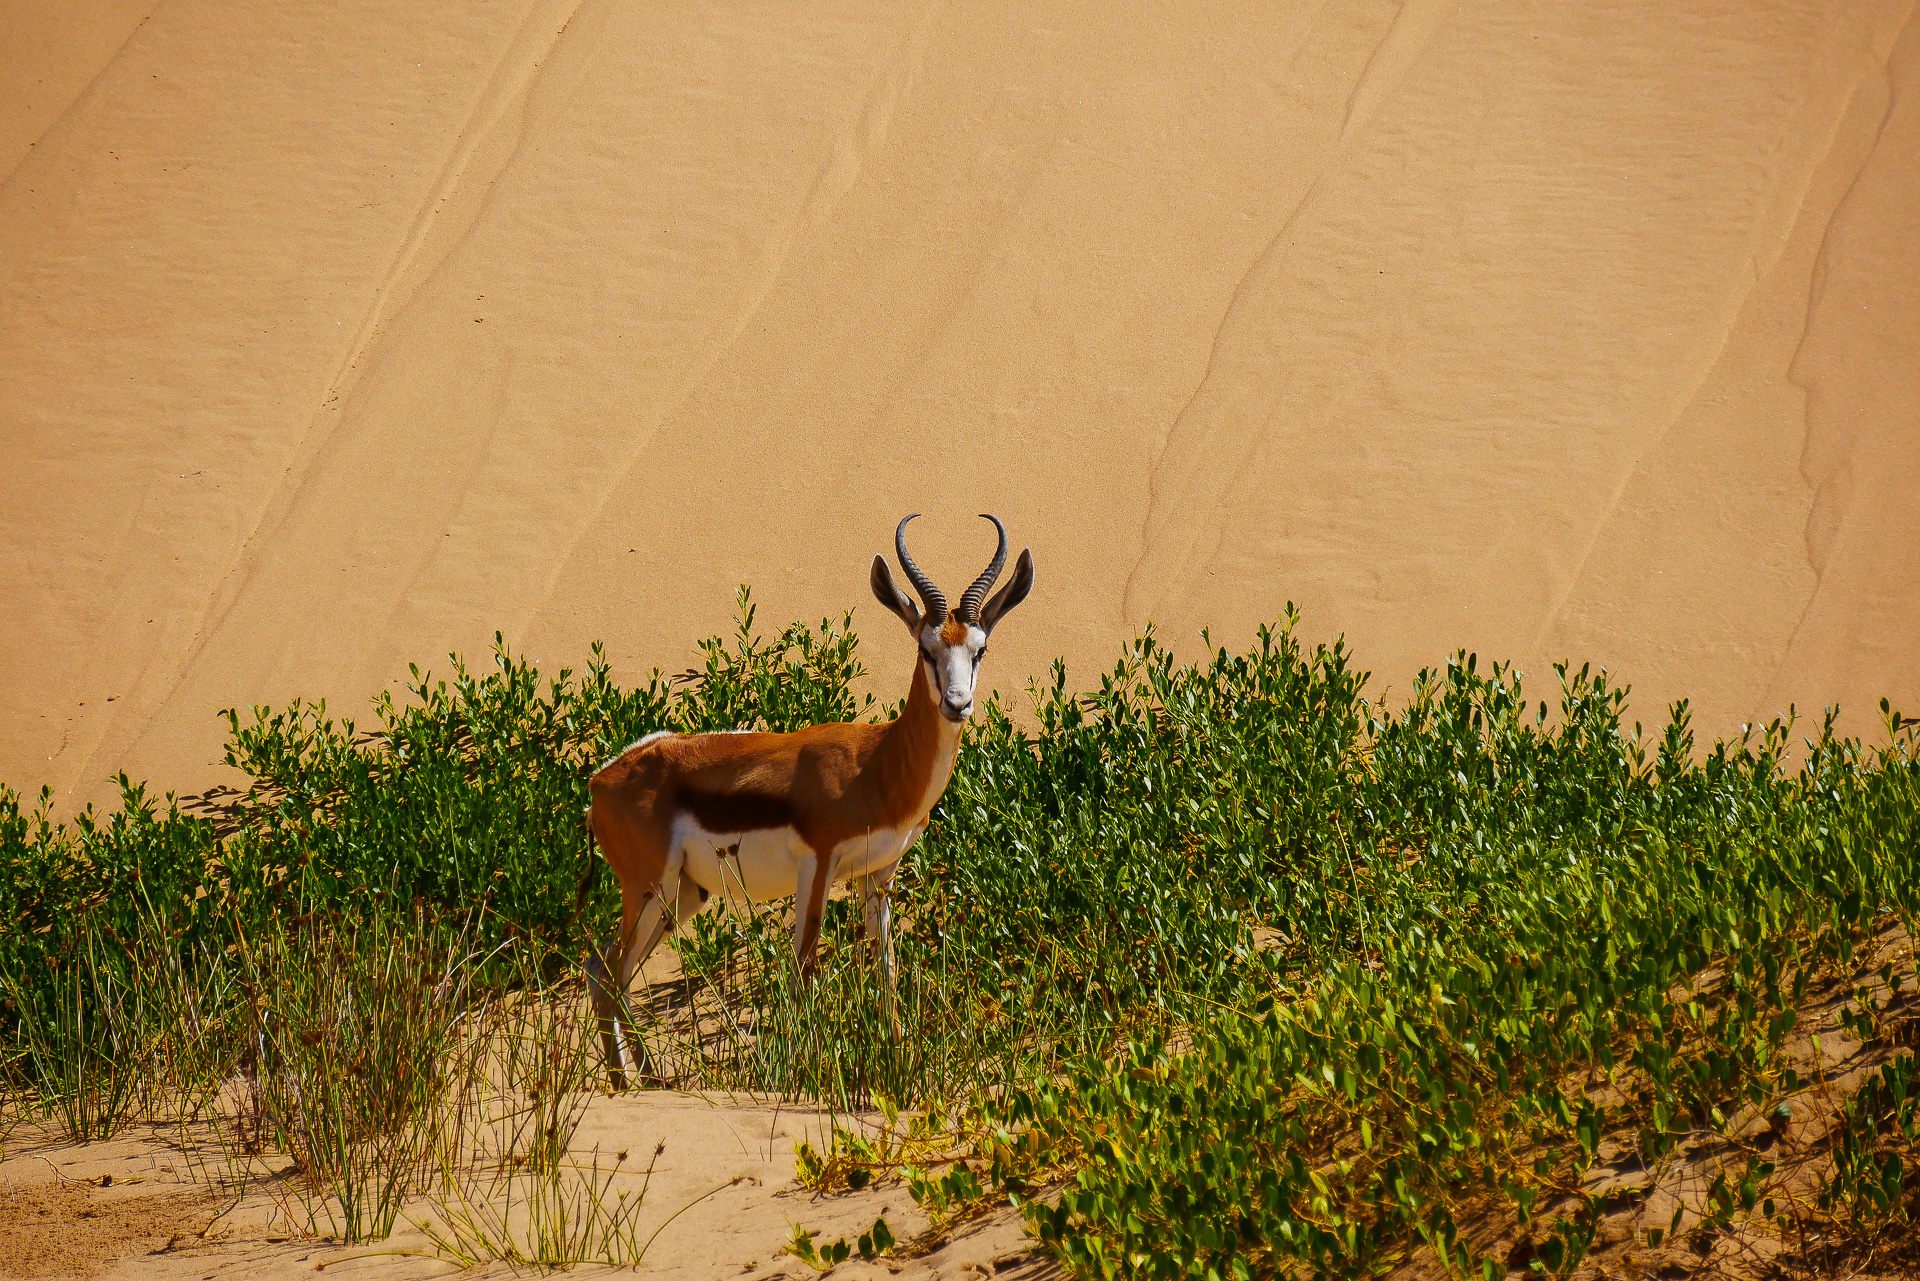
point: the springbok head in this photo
(952, 641)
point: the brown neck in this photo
(917, 743)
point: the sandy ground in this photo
(335, 337)
(722, 1200)
(719, 1201)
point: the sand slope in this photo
(337, 337)
(721, 1202)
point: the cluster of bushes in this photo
(1481, 907)
(469, 796)
(1279, 978)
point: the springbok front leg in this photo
(809, 909)
(876, 919)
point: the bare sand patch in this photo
(67, 1230)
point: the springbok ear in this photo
(1012, 594)
(892, 597)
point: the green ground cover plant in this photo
(1219, 968)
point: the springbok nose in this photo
(956, 707)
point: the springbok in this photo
(683, 818)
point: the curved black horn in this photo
(929, 594)
(970, 603)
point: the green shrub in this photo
(1279, 977)
(1530, 898)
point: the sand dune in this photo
(338, 337)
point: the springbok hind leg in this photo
(606, 1000)
(644, 923)
(639, 849)
(609, 996)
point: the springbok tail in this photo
(592, 874)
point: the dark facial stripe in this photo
(744, 812)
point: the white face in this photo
(950, 657)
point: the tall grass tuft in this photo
(82, 1037)
(507, 1183)
(349, 1023)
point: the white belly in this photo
(741, 868)
(871, 852)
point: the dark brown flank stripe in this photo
(741, 812)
